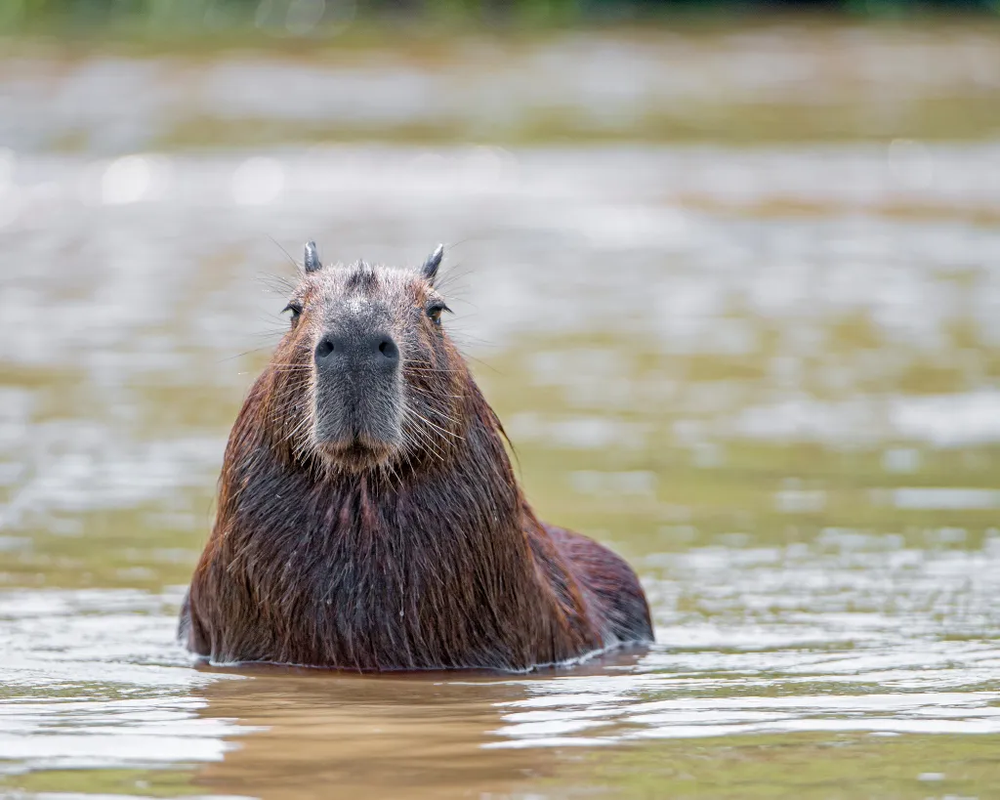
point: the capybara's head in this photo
(366, 376)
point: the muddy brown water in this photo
(768, 375)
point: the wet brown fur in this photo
(426, 556)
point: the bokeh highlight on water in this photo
(767, 375)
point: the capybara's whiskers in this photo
(427, 422)
(416, 435)
(433, 371)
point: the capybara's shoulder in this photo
(610, 583)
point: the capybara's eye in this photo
(434, 312)
(295, 308)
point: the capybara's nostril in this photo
(324, 348)
(387, 347)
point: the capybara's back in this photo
(368, 516)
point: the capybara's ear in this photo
(430, 268)
(311, 258)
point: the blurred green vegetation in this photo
(314, 17)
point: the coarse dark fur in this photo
(411, 547)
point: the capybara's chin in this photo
(415, 548)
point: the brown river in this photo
(735, 295)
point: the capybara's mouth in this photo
(357, 454)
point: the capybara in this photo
(368, 516)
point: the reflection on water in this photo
(767, 376)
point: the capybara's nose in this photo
(358, 351)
